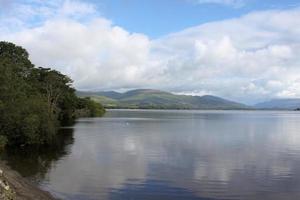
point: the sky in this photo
(243, 50)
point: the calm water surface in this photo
(172, 155)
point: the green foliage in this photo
(3, 141)
(33, 101)
(96, 109)
(89, 108)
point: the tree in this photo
(23, 118)
(88, 108)
(54, 85)
(34, 101)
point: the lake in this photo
(170, 155)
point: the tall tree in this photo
(54, 86)
(34, 101)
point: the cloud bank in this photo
(250, 58)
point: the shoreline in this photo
(14, 187)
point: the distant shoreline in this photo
(109, 108)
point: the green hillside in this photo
(156, 99)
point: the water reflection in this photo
(153, 189)
(175, 155)
(35, 162)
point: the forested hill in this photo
(156, 99)
(34, 102)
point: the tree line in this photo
(35, 101)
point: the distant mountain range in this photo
(279, 104)
(156, 99)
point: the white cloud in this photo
(233, 3)
(75, 8)
(249, 58)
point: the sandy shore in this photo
(14, 187)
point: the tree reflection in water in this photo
(34, 162)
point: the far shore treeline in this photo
(35, 101)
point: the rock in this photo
(14, 187)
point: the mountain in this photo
(109, 94)
(282, 104)
(156, 99)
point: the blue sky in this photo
(160, 17)
(244, 50)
